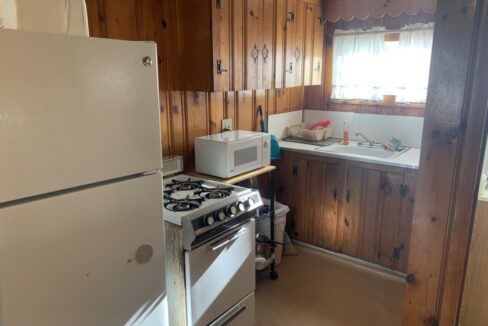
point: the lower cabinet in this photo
(358, 209)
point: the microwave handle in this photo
(267, 150)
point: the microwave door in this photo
(245, 155)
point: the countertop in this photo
(409, 159)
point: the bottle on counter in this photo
(345, 137)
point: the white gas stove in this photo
(218, 250)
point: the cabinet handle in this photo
(298, 53)
(265, 53)
(348, 196)
(255, 53)
(335, 194)
(291, 16)
(290, 68)
(317, 68)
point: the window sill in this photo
(377, 108)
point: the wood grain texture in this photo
(473, 308)
(468, 172)
(175, 274)
(441, 148)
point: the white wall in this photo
(278, 122)
(48, 16)
(375, 126)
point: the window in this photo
(368, 65)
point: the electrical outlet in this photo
(226, 124)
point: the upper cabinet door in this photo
(238, 44)
(221, 37)
(318, 44)
(299, 46)
(253, 49)
(280, 38)
(266, 33)
(290, 42)
(309, 44)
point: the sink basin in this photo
(362, 151)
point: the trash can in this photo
(263, 225)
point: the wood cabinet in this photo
(259, 38)
(303, 43)
(227, 45)
(358, 209)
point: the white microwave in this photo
(232, 153)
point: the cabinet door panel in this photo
(300, 42)
(318, 45)
(221, 45)
(390, 212)
(290, 43)
(370, 215)
(301, 217)
(252, 43)
(238, 37)
(328, 226)
(266, 31)
(315, 190)
(352, 215)
(280, 35)
(309, 44)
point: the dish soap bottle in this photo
(345, 138)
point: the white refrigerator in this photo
(81, 228)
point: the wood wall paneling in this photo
(441, 147)
(185, 115)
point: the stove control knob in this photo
(241, 207)
(231, 210)
(209, 220)
(220, 215)
(250, 202)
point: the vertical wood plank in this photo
(216, 112)
(165, 123)
(390, 212)
(446, 103)
(238, 46)
(281, 100)
(266, 41)
(318, 45)
(370, 216)
(120, 20)
(352, 215)
(231, 107)
(279, 48)
(260, 99)
(177, 124)
(330, 199)
(308, 44)
(253, 50)
(221, 37)
(196, 123)
(245, 112)
(301, 217)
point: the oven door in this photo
(245, 155)
(220, 274)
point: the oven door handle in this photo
(221, 243)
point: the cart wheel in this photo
(273, 275)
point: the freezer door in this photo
(92, 257)
(74, 111)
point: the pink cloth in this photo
(321, 124)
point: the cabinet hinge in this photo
(218, 4)
(403, 190)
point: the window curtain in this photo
(365, 67)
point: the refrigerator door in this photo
(90, 257)
(74, 111)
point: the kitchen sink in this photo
(376, 152)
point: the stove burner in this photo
(215, 193)
(181, 205)
(186, 185)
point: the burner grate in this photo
(215, 193)
(182, 205)
(185, 185)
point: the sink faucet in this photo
(365, 139)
